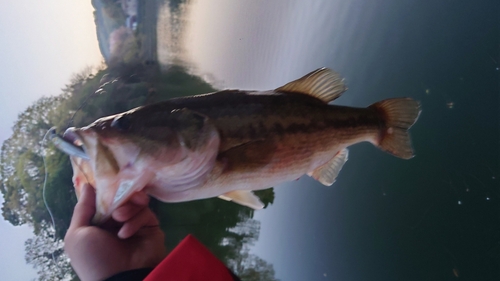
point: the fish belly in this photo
(263, 164)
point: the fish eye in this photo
(121, 123)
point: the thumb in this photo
(85, 208)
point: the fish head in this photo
(127, 151)
(117, 141)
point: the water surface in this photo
(434, 217)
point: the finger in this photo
(137, 202)
(140, 198)
(85, 208)
(145, 218)
(126, 212)
(111, 225)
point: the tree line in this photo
(227, 229)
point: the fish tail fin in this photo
(399, 115)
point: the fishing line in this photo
(43, 192)
(84, 103)
(79, 108)
(44, 187)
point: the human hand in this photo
(132, 239)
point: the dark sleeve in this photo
(131, 275)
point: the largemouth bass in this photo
(231, 142)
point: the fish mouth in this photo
(70, 135)
(70, 144)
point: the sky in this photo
(43, 44)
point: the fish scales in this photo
(243, 116)
(231, 142)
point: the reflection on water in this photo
(227, 229)
(434, 217)
(252, 44)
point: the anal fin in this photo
(328, 172)
(243, 197)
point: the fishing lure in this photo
(66, 146)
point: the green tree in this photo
(227, 229)
(46, 255)
(250, 267)
(21, 165)
(22, 168)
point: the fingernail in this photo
(121, 234)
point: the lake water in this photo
(433, 217)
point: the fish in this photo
(229, 143)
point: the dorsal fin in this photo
(324, 84)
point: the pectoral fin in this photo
(243, 197)
(250, 155)
(328, 172)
